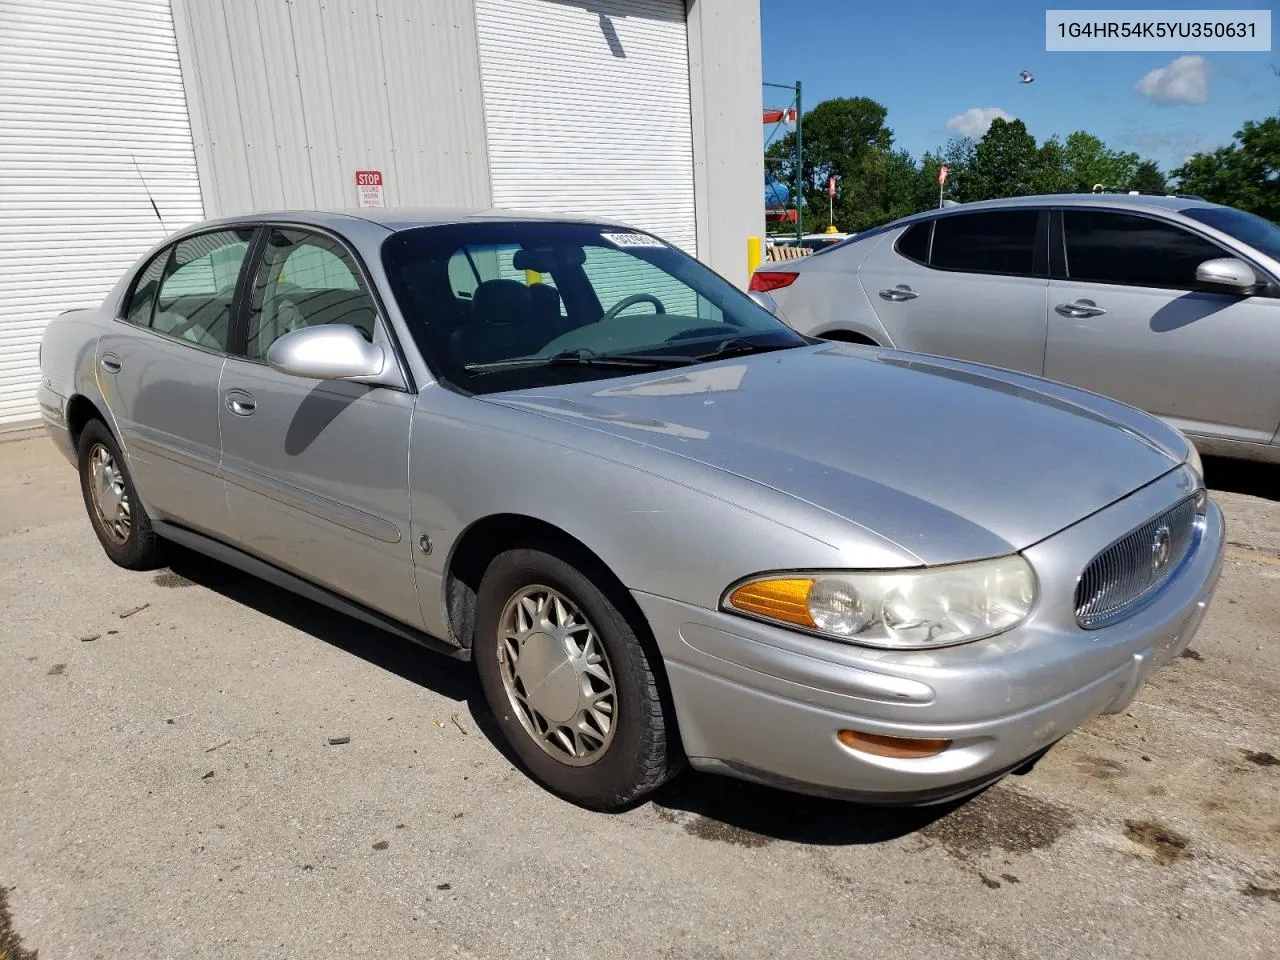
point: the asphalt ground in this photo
(168, 789)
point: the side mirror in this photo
(329, 352)
(764, 300)
(1228, 274)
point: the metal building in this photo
(645, 111)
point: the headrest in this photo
(500, 301)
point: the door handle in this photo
(110, 363)
(241, 403)
(899, 293)
(1079, 309)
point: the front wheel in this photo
(573, 687)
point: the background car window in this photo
(1246, 227)
(996, 242)
(305, 280)
(142, 302)
(197, 286)
(1107, 247)
(914, 243)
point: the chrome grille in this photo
(1134, 566)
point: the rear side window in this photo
(143, 301)
(914, 243)
(1001, 242)
(193, 302)
(1104, 247)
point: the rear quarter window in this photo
(914, 242)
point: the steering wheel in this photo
(635, 298)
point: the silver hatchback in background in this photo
(1168, 303)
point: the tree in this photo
(1147, 177)
(1245, 174)
(1088, 163)
(846, 138)
(1004, 162)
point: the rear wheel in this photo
(118, 518)
(570, 681)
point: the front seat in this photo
(500, 326)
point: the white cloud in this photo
(1185, 80)
(975, 121)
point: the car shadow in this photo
(1243, 476)
(709, 806)
(432, 671)
(750, 814)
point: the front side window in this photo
(998, 241)
(1248, 228)
(1105, 247)
(510, 305)
(305, 279)
(193, 298)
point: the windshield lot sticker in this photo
(631, 240)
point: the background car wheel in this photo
(572, 684)
(117, 516)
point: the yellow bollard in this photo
(755, 253)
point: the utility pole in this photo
(799, 162)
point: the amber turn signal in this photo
(785, 600)
(899, 748)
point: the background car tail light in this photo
(766, 280)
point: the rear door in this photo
(159, 367)
(1125, 320)
(971, 286)
(317, 471)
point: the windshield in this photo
(1262, 235)
(517, 305)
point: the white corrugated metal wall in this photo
(587, 110)
(289, 98)
(85, 85)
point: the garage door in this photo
(86, 88)
(587, 110)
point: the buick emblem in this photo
(1161, 548)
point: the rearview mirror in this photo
(329, 352)
(1229, 274)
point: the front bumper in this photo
(765, 703)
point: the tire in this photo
(639, 752)
(133, 545)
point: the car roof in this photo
(1112, 201)
(396, 218)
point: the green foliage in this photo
(849, 138)
(1148, 178)
(1245, 174)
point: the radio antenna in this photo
(147, 190)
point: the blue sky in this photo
(934, 63)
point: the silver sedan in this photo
(1169, 303)
(665, 527)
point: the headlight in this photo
(897, 609)
(1194, 461)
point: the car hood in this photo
(948, 460)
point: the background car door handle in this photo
(899, 293)
(110, 363)
(241, 404)
(1079, 309)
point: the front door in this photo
(976, 293)
(317, 471)
(159, 367)
(1126, 321)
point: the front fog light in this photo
(903, 609)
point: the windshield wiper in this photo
(586, 358)
(740, 346)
